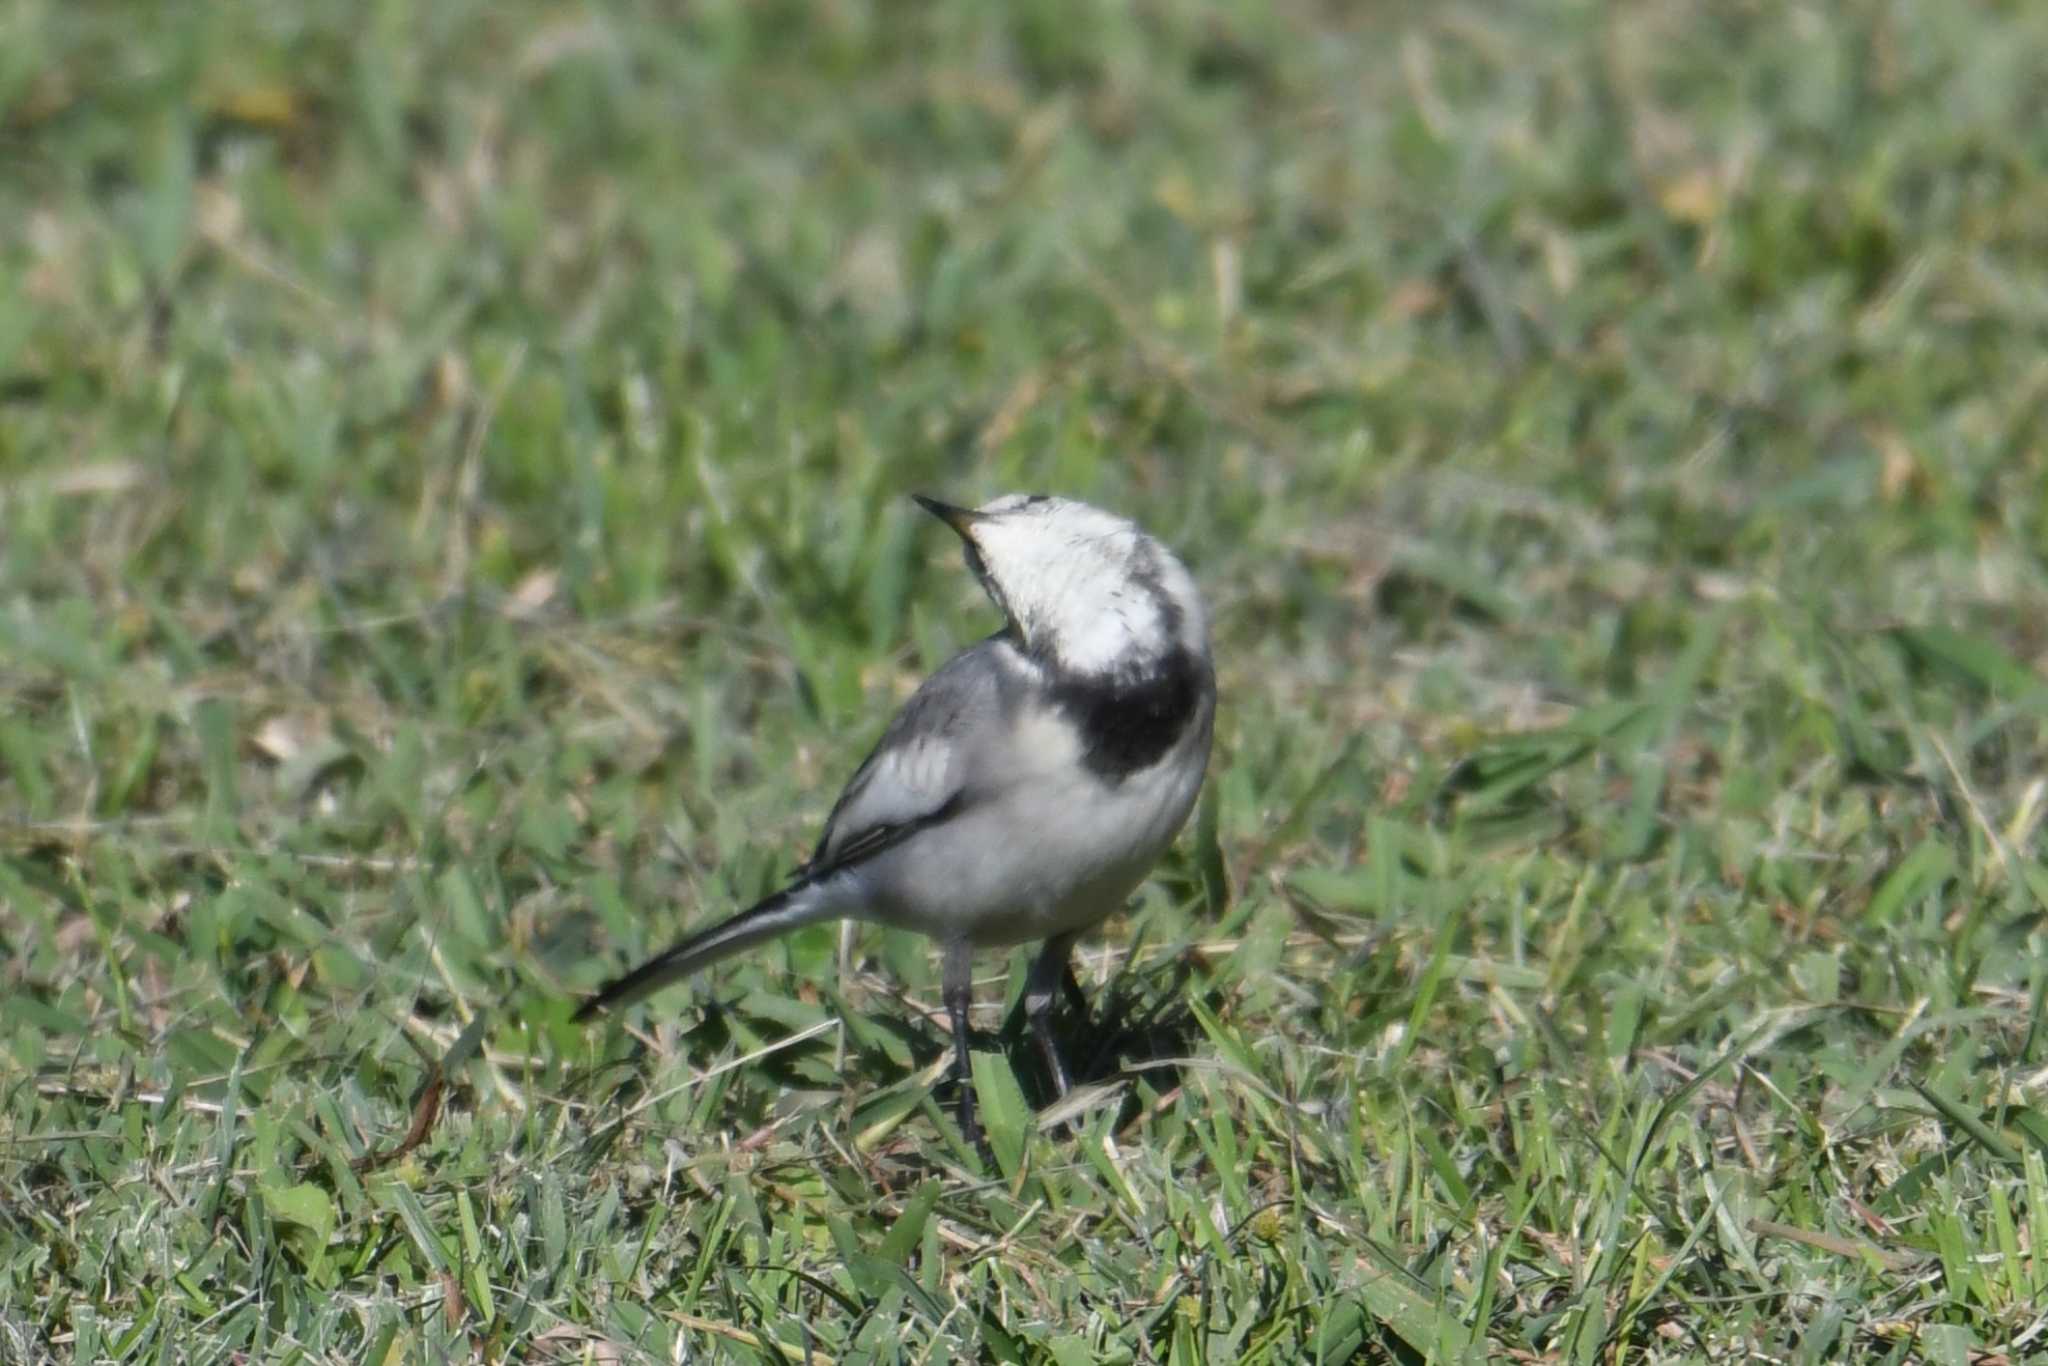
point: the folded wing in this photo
(924, 769)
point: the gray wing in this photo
(922, 770)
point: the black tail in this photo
(800, 904)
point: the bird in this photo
(1027, 787)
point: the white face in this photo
(1083, 585)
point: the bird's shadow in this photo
(1139, 1024)
(1141, 1021)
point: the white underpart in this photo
(1041, 846)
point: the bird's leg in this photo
(1046, 977)
(959, 987)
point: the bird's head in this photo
(1085, 590)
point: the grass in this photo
(453, 536)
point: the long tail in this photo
(797, 905)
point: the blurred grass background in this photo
(453, 536)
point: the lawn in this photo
(455, 535)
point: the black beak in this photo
(960, 519)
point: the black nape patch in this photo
(1128, 725)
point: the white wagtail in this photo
(1028, 786)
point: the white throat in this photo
(1098, 603)
(1105, 625)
